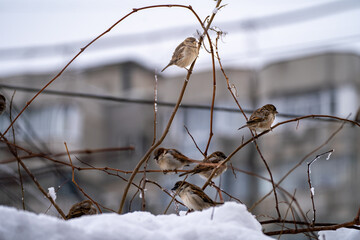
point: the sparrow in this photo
(2, 104)
(193, 197)
(205, 171)
(170, 159)
(262, 118)
(82, 208)
(185, 53)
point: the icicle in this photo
(329, 155)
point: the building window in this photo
(55, 122)
(314, 102)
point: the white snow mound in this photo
(230, 221)
(341, 233)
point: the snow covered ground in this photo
(230, 221)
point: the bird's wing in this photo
(181, 45)
(178, 53)
(179, 155)
(258, 116)
(199, 168)
(197, 191)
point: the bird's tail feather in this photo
(242, 126)
(183, 174)
(166, 67)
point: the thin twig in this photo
(301, 161)
(84, 151)
(313, 229)
(34, 179)
(174, 195)
(197, 147)
(166, 130)
(256, 145)
(211, 134)
(16, 152)
(309, 180)
(164, 190)
(286, 213)
(90, 43)
(73, 180)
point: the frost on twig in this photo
(218, 8)
(155, 94)
(312, 189)
(52, 193)
(234, 90)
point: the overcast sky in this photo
(42, 35)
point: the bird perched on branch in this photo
(185, 53)
(170, 159)
(2, 104)
(193, 197)
(204, 170)
(262, 118)
(82, 208)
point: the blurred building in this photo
(327, 84)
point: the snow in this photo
(230, 221)
(329, 155)
(52, 193)
(312, 191)
(342, 233)
(215, 10)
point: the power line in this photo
(295, 16)
(295, 49)
(146, 101)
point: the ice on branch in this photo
(197, 34)
(312, 191)
(215, 10)
(329, 155)
(52, 193)
(141, 195)
(155, 94)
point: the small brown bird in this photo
(85, 207)
(193, 197)
(262, 118)
(185, 53)
(205, 171)
(170, 159)
(2, 104)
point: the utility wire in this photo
(145, 101)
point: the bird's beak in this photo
(276, 112)
(174, 188)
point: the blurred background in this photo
(301, 56)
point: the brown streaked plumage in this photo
(262, 118)
(185, 53)
(205, 171)
(193, 197)
(170, 159)
(85, 207)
